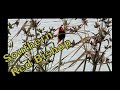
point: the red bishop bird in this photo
(60, 32)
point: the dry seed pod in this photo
(96, 25)
(103, 59)
(17, 22)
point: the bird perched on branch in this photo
(60, 32)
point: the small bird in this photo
(61, 33)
